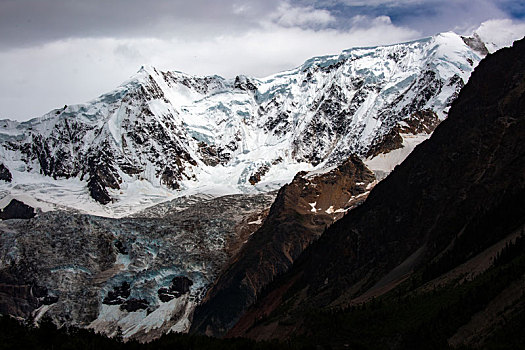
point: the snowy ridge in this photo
(165, 134)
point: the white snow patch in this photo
(47, 194)
(110, 317)
(387, 162)
(371, 185)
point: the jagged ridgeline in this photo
(170, 131)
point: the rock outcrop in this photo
(17, 210)
(5, 174)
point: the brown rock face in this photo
(256, 177)
(300, 213)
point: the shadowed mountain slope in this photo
(458, 197)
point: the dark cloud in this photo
(30, 22)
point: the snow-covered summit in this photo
(164, 134)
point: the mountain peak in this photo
(184, 134)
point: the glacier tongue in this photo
(165, 134)
(140, 275)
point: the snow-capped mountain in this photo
(162, 134)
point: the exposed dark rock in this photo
(101, 166)
(118, 295)
(49, 299)
(5, 174)
(43, 296)
(427, 85)
(58, 154)
(17, 210)
(133, 305)
(387, 143)
(476, 44)
(97, 191)
(209, 154)
(131, 169)
(165, 295)
(243, 83)
(121, 248)
(202, 85)
(152, 90)
(179, 285)
(170, 177)
(278, 124)
(39, 291)
(255, 178)
(422, 121)
(458, 84)
(102, 174)
(329, 123)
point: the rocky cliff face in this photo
(439, 220)
(175, 132)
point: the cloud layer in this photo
(63, 52)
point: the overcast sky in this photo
(58, 52)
